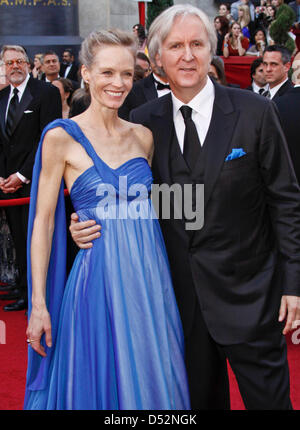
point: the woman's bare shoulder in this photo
(143, 134)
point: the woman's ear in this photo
(85, 74)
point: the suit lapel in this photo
(218, 139)
(149, 88)
(25, 100)
(162, 134)
(3, 106)
(282, 90)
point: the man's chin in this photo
(17, 81)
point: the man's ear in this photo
(287, 66)
(158, 60)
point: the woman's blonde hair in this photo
(246, 18)
(98, 39)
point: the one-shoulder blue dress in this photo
(117, 334)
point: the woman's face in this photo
(110, 76)
(259, 36)
(271, 11)
(217, 24)
(236, 29)
(223, 10)
(275, 3)
(240, 13)
(37, 63)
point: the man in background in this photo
(27, 105)
(276, 64)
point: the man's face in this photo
(144, 65)
(16, 67)
(274, 69)
(67, 58)
(259, 76)
(51, 65)
(185, 57)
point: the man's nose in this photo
(188, 53)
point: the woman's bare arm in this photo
(53, 165)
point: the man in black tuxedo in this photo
(68, 68)
(258, 80)
(277, 62)
(153, 86)
(238, 275)
(288, 106)
(27, 105)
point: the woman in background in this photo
(221, 26)
(247, 26)
(66, 90)
(140, 34)
(260, 44)
(37, 70)
(234, 42)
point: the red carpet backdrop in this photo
(13, 362)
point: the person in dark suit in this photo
(27, 105)
(288, 106)
(69, 68)
(277, 62)
(295, 6)
(258, 80)
(237, 278)
(153, 86)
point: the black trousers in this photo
(17, 218)
(260, 367)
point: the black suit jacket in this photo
(289, 106)
(40, 104)
(73, 72)
(283, 89)
(75, 84)
(142, 92)
(248, 251)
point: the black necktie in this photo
(261, 91)
(11, 114)
(191, 147)
(267, 94)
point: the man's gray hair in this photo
(161, 27)
(16, 48)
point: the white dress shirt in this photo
(68, 68)
(256, 88)
(202, 105)
(21, 89)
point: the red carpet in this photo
(13, 362)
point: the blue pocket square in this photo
(235, 153)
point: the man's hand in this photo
(84, 232)
(289, 310)
(11, 184)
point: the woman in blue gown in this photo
(110, 336)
